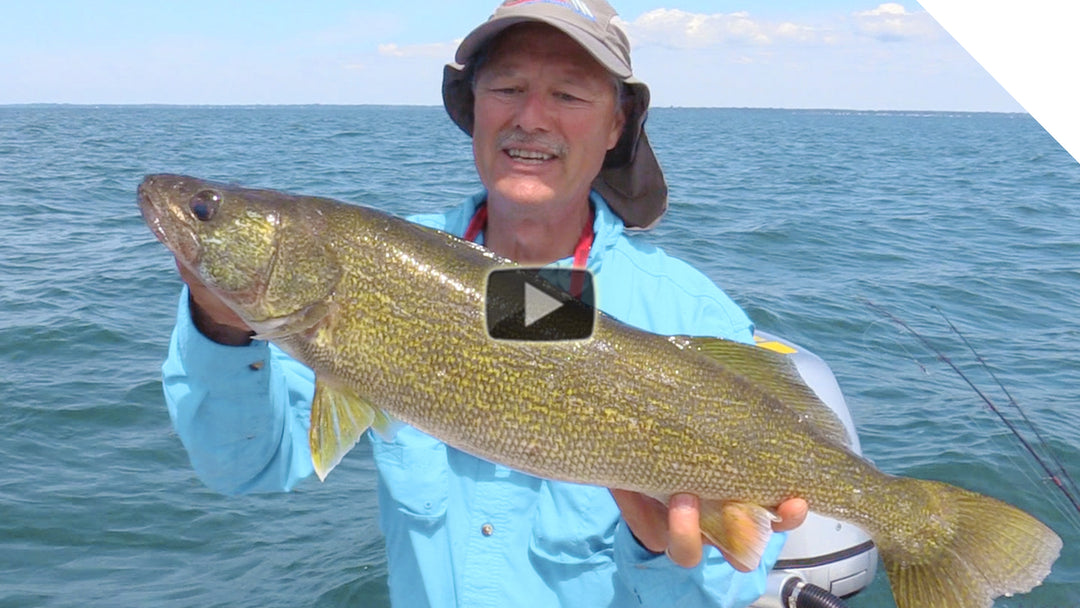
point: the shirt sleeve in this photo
(242, 412)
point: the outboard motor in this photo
(824, 559)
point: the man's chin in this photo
(523, 192)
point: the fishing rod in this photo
(1055, 477)
(1012, 401)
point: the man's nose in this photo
(534, 113)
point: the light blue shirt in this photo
(461, 531)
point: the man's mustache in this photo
(546, 142)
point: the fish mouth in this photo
(170, 223)
(150, 214)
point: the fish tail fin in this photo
(962, 549)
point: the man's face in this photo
(545, 116)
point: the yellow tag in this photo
(778, 347)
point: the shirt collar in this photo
(607, 227)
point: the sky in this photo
(841, 54)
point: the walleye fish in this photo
(390, 316)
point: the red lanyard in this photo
(478, 224)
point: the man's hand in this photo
(674, 529)
(211, 315)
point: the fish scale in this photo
(390, 316)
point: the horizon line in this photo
(418, 105)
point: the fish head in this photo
(257, 250)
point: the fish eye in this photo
(205, 204)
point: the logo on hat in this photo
(576, 5)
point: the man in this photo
(546, 91)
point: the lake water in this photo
(802, 216)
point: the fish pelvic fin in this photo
(972, 549)
(339, 417)
(776, 374)
(740, 529)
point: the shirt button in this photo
(487, 529)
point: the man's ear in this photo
(619, 123)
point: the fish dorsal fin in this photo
(338, 418)
(776, 374)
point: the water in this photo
(800, 215)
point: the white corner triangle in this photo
(1029, 48)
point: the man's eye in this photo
(567, 97)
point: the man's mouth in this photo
(528, 156)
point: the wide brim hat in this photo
(631, 180)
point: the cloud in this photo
(679, 29)
(890, 22)
(800, 33)
(675, 28)
(435, 50)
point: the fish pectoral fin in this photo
(740, 529)
(300, 321)
(338, 418)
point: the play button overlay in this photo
(540, 304)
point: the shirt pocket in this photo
(574, 525)
(414, 475)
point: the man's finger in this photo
(684, 532)
(646, 518)
(792, 514)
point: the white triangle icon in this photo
(538, 304)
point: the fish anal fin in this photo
(740, 529)
(339, 417)
(774, 372)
